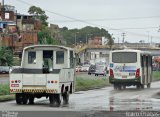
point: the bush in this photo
(4, 89)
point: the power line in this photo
(130, 28)
(113, 19)
(79, 20)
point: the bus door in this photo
(146, 61)
(143, 65)
(147, 69)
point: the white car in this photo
(101, 70)
(85, 68)
(78, 68)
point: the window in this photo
(31, 57)
(124, 57)
(59, 57)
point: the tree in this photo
(6, 56)
(110, 41)
(39, 14)
(69, 34)
(45, 37)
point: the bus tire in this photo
(119, 87)
(24, 99)
(18, 98)
(52, 100)
(138, 86)
(65, 98)
(31, 100)
(142, 86)
(55, 100)
(149, 85)
(114, 86)
(124, 86)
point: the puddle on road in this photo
(136, 104)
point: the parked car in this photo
(101, 70)
(92, 69)
(4, 69)
(85, 68)
(14, 67)
(78, 68)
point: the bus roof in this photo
(58, 46)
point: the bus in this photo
(45, 71)
(130, 68)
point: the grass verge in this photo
(5, 93)
(156, 75)
(7, 97)
(86, 84)
(4, 89)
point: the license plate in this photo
(124, 76)
(14, 85)
(131, 74)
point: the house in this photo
(17, 30)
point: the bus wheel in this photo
(18, 98)
(119, 87)
(52, 100)
(24, 99)
(115, 86)
(138, 86)
(149, 85)
(142, 86)
(65, 98)
(58, 98)
(31, 100)
(124, 86)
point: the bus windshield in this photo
(124, 57)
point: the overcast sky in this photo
(130, 16)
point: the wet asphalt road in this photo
(98, 101)
(105, 99)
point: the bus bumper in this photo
(114, 80)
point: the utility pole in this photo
(151, 40)
(16, 18)
(123, 36)
(148, 37)
(159, 29)
(118, 42)
(3, 11)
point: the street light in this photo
(148, 37)
(75, 39)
